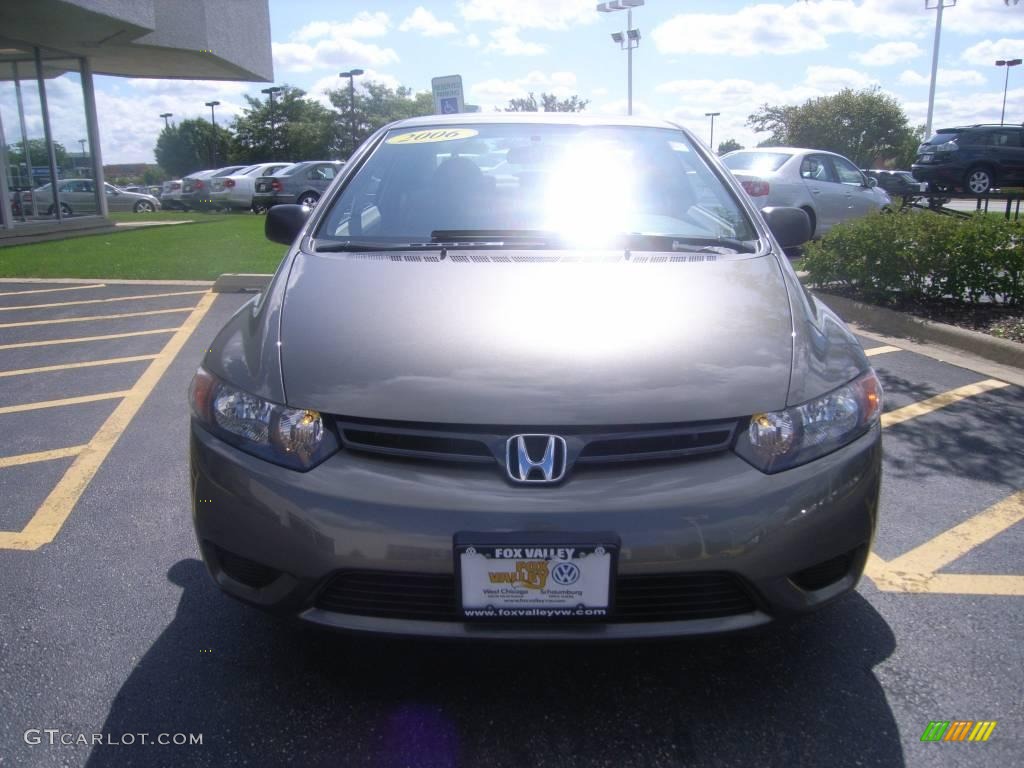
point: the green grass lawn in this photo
(212, 245)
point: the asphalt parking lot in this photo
(109, 624)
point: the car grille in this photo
(585, 445)
(639, 598)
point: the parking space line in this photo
(70, 366)
(80, 339)
(958, 541)
(87, 318)
(32, 458)
(53, 290)
(54, 511)
(103, 301)
(22, 407)
(881, 350)
(932, 404)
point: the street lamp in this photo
(935, 5)
(270, 95)
(82, 142)
(1006, 63)
(352, 74)
(165, 116)
(627, 41)
(712, 115)
(213, 135)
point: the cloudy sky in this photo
(695, 56)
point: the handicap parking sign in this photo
(450, 105)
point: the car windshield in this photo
(579, 186)
(762, 162)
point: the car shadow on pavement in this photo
(269, 692)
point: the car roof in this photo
(537, 118)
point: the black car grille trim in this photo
(638, 598)
(248, 572)
(827, 572)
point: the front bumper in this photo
(368, 513)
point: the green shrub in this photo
(921, 255)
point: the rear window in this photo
(762, 162)
(582, 182)
(942, 138)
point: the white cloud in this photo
(884, 54)
(472, 41)
(427, 24)
(987, 52)
(318, 90)
(363, 24)
(974, 17)
(983, 107)
(541, 14)
(506, 40)
(497, 93)
(944, 77)
(334, 45)
(832, 79)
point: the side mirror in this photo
(791, 226)
(872, 182)
(284, 222)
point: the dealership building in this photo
(49, 52)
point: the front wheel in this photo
(144, 206)
(65, 210)
(979, 181)
(309, 199)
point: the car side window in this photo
(322, 173)
(814, 168)
(1006, 139)
(847, 172)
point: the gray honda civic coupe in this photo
(535, 377)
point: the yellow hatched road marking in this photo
(54, 511)
(923, 407)
(103, 301)
(54, 290)
(70, 366)
(21, 408)
(881, 350)
(90, 318)
(79, 339)
(32, 458)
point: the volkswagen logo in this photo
(565, 574)
(535, 458)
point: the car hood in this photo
(495, 337)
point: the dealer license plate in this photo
(526, 578)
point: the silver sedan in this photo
(78, 196)
(829, 187)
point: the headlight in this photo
(293, 437)
(785, 439)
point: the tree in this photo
(729, 145)
(375, 105)
(37, 150)
(297, 128)
(548, 103)
(866, 126)
(186, 147)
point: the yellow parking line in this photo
(53, 290)
(923, 407)
(89, 318)
(51, 515)
(79, 339)
(103, 301)
(70, 366)
(958, 541)
(881, 350)
(22, 407)
(32, 458)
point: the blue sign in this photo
(450, 105)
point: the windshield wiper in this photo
(492, 238)
(363, 246)
(692, 244)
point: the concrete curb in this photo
(241, 282)
(902, 325)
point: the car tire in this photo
(144, 206)
(65, 210)
(813, 218)
(979, 181)
(308, 199)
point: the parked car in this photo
(170, 197)
(829, 187)
(196, 187)
(235, 191)
(301, 183)
(78, 196)
(896, 183)
(589, 401)
(972, 158)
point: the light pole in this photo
(1006, 63)
(712, 115)
(213, 135)
(165, 116)
(273, 138)
(937, 6)
(627, 41)
(352, 74)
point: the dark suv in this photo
(975, 158)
